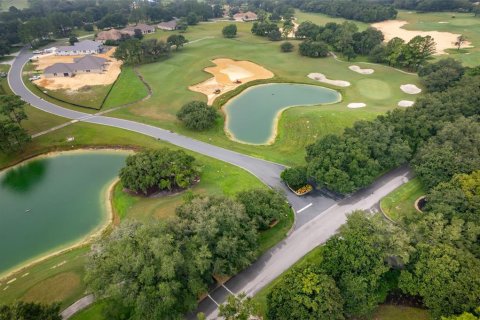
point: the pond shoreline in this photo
(274, 132)
(106, 205)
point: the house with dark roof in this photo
(144, 28)
(169, 25)
(79, 48)
(87, 64)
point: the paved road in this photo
(318, 216)
(266, 171)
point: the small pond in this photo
(252, 115)
(49, 203)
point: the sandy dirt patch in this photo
(393, 28)
(405, 103)
(291, 35)
(322, 78)
(228, 74)
(79, 80)
(360, 70)
(410, 89)
(356, 105)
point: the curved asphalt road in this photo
(317, 216)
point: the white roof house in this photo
(82, 47)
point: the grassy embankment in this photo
(401, 201)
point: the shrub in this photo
(230, 31)
(197, 115)
(286, 46)
(162, 169)
(274, 35)
(295, 177)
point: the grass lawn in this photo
(401, 201)
(393, 312)
(170, 79)
(127, 89)
(459, 23)
(87, 96)
(19, 4)
(94, 312)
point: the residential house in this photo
(169, 25)
(245, 16)
(144, 28)
(80, 48)
(86, 64)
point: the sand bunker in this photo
(79, 80)
(405, 103)
(410, 89)
(360, 70)
(228, 74)
(291, 34)
(393, 28)
(322, 78)
(356, 105)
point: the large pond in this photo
(252, 115)
(49, 203)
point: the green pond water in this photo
(49, 203)
(252, 114)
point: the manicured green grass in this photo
(19, 4)
(127, 89)
(94, 312)
(394, 312)
(56, 279)
(458, 23)
(402, 200)
(170, 79)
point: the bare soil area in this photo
(394, 28)
(228, 74)
(78, 81)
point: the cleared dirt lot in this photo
(79, 80)
(226, 73)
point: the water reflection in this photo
(23, 178)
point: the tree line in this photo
(417, 135)
(360, 10)
(59, 18)
(435, 5)
(159, 269)
(13, 136)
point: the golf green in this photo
(252, 115)
(50, 203)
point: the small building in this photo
(87, 64)
(245, 16)
(169, 25)
(82, 47)
(144, 28)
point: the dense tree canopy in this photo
(304, 294)
(197, 115)
(264, 206)
(30, 311)
(313, 49)
(439, 76)
(135, 51)
(163, 169)
(13, 136)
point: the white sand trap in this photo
(356, 105)
(443, 22)
(12, 280)
(410, 89)
(394, 28)
(25, 274)
(5, 288)
(360, 70)
(405, 103)
(322, 78)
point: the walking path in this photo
(317, 216)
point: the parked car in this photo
(37, 51)
(33, 78)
